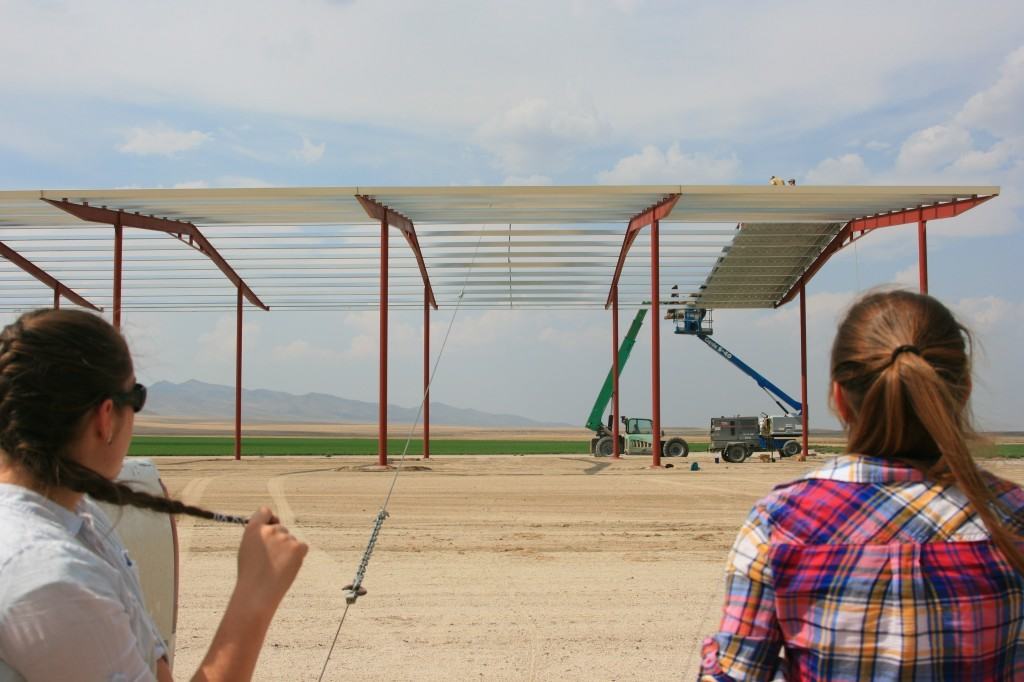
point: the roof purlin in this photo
(859, 227)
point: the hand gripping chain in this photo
(356, 589)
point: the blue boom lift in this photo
(639, 432)
(737, 437)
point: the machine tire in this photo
(790, 448)
(735, 453)
(675, 447)
(604, 447)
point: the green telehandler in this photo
(639, 432)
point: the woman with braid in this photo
(70, 603)
(900, 560)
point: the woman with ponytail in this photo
(900, 560)
(70, 603)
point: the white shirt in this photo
(71, 607)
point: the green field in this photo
(157, 446)
(1008, 450)
(1012, 450)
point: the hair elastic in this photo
(905, 349)
(229, 518)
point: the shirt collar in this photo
(865, 469)
(43, 506)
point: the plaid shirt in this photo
(865, 570)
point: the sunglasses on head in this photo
(135, 397)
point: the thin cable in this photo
(856, 264)
(353, 589)
(334, 641)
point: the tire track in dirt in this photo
(283, 510)
(319, 569)
(191, 494)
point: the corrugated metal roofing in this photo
(504, 247)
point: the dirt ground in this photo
(495, 568)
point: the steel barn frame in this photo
(476, 247)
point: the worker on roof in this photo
(674, 295)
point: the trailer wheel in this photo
(790, 448)
(604, 447)
(675, 447)
(735, 453)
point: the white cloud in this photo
(827, 305)
(978, 162)
(998, 108)
(309, 152)
(219, 342)
(403, 338)
(693, 71)
(945, 153)
(242, 181)
(933, 148)
(986, 314)
(475, 329)
(161, 140)
(848, 169)
(673, 166)
(533, 134)
(527, 181)
(907, 277)
(222, 181)
(304, 351)
(294, 350)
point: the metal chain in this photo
(352, 591)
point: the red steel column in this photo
(615, 373)
(426, 375)
(382, 414)
(238, 377)
(118, 262)
(803, 372)
(922, 254)
(56, 297)
(655, 349)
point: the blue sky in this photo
(151, 94)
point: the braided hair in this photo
(55, 367)
(903, 363)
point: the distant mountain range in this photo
(194, 399)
